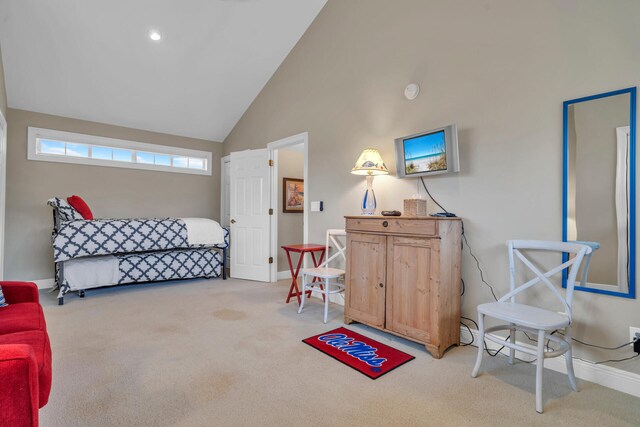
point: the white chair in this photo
(522, 317)
(325, 273)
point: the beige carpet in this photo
(228, 353)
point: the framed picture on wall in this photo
(292, 195)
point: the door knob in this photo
(233, 221)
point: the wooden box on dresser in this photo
(403, 277)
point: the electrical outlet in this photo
(633, 333)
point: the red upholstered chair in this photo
(25, 356)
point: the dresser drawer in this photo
(422, 227)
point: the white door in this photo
(250, 173)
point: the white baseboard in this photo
(607, 376)
(44, 283)
(282, 275)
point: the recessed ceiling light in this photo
(155, 36)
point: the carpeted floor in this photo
(229, 353)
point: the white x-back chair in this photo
(328, 283)
(527, 318)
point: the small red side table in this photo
(303, 249)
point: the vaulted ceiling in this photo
(94, 60)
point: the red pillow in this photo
(81, 206)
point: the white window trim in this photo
(38, 133)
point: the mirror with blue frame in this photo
(599, 133)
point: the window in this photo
(67, 147)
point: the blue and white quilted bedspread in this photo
(174, 264)
(80, 238)
(169, 265)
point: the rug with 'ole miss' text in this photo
(363, 354)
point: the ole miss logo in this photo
(368, 356)
(356, 349)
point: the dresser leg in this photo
(434, 350)
(348, 321)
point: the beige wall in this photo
(500, 69)
(595, 174)
(109, 192)
(3, 90)
(290, 225)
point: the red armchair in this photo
(25, 356)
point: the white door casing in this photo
(250, 219)
(225, 196)
(225, 191)
(276, 196)
(3, 185)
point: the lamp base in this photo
(369, 200)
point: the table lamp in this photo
(369, 163)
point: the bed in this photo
(107, 252)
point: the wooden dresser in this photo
(403, 277)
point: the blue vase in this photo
(369, 200)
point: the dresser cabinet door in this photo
(412, 275)
(365, 278)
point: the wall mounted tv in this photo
(428, 153)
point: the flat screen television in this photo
(428, 153)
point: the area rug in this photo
(363, 354)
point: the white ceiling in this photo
(93, 60)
